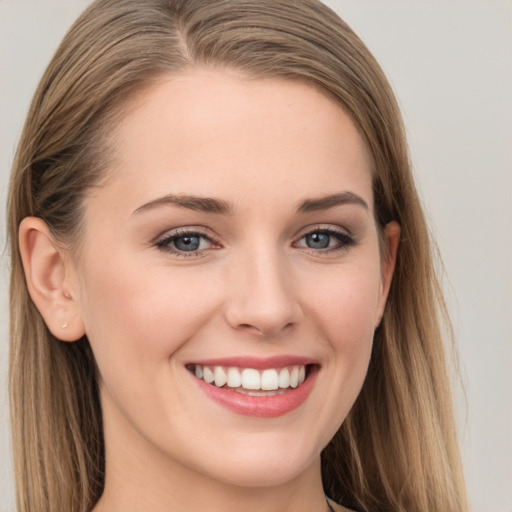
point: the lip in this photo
(259, 406)
(258, 363)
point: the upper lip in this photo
(258, 363)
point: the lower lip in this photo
(260, 406)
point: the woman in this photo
(222, 290)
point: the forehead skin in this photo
(214, 106)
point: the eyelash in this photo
(165, 243)
(345, 241)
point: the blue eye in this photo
(318, 240)
(325, 240)
(185, 243)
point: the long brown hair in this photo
(397, 449)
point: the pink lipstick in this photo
(250, 386)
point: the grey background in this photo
(450, 63)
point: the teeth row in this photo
(249, 378)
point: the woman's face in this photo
(233, 240)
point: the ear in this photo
(389, 251)
(45, 269)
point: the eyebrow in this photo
(221, 207)
(199, 204)
(330, 201)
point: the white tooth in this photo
(234, 378)
(294, 377)
(269, 380)
(199, 371)
(208, 375)
(220, 376)
(284, 378)
(302, 374)
(250, 379)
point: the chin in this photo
(261, 475)
(264, 467)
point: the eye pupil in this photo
(187, 243)
(318, 240)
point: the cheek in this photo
(146, 313)
(136, 324)
(343, 306)
(346, 303)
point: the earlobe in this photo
(44, 264)
(391, 235)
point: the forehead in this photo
(214, 130)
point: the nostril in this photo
(251, 328)
(267, 331)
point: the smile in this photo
(251, 381)
(261, 388)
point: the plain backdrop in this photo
(450, 63)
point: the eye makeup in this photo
(186, 242)
(323, 240)
(318, 240)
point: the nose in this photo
(262, 298)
